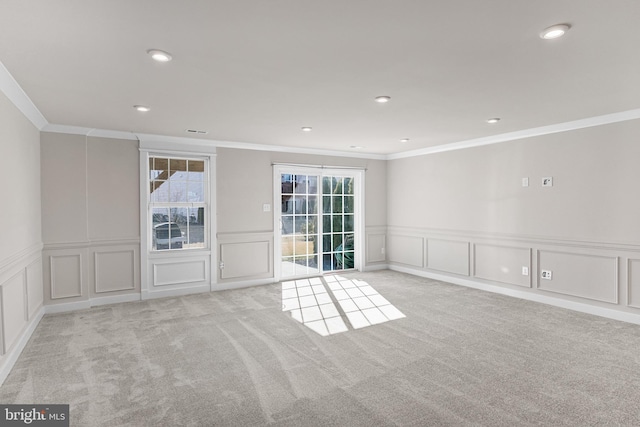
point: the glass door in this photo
(299, 224)
(317, 222)
(338, 223)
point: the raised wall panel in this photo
(245, 259)
(502, 264)
(35, 291)
(66, 276)
(64, 188)
(114, 271)
(112, 186)
(179, 272)
(451, 256)
(634, 282)
(406, 250)
(14, 315)
(588, 276)
(375, 248)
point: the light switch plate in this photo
(547, 181)
(525, 182)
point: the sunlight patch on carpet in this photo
(310, 302)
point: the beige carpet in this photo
(459, 357)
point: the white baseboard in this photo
(242, 284)
(94, 302)
(67, 306)
(376, 267)
(608, 313)
(165, 293)
(115, 299)
(12, 356)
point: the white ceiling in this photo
(256, 71)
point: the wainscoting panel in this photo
(35, 290)
(115, 270)
(633, 270)
(179, 272)
(83, 271)
(375, 247)
(66, 272)
(407, 250)
(14, 309)
(246, 259)
(604, 275)
(448, 255)
(593, 277)
(21, 303)
(502, 264)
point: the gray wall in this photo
(466, 213)
(461, 214)
(245, 183)
(90, 227)
(90, 190)
(595, 173)
(21, 242)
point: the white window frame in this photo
(168, 205)
(177, 272)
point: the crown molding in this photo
(298, 150)
(522, 134)
(477, 142)
(20, 99)
(99, 133)
(250, 146)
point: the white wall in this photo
(20, 244)
(465, 214)
(90, 204)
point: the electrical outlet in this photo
(546, 274)
(525, 271)
(547, 181)
(266, 207)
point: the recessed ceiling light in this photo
(555, 31)
(142, 108)
(159, 55)
(404, 140)
(383, 99)
(306, 129)
(493, 120)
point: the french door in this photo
(318, 220)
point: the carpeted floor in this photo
(459, 357)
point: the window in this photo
(177, 203)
